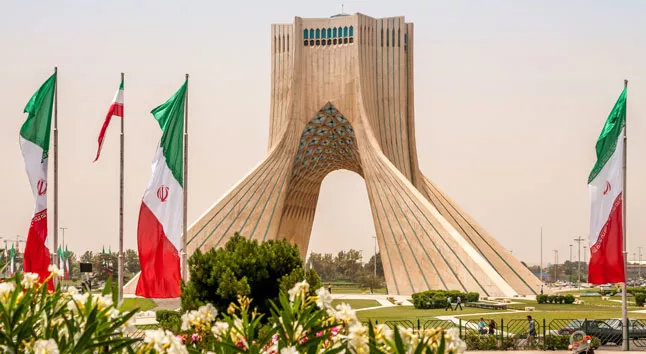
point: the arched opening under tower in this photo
(343, 218)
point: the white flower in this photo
(48, 346)
(358, 338)
(383, 333)
(103, 301)
(128, 327)
(300, 288)
(208, 312)
(78, 300)
(6, 290)
(53, 269)
(289, 350)
(345, 313)
(219, 329)
(164, 342)
(324, 301)
(71, 290)
(203, 317)
(453, 341)
(29, 280)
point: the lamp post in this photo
(639, 265)
(556, 265)
(579, 240)
(570, 270)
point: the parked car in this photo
(607, 331)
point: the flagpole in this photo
(185, 178)
(55, 260)
(541, 256)
(624, 302)
(121, 173)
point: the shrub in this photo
(168, 319)
(297, 324)
(640, 299)
(557, 342)
(475, 341)
(242, 267)
(34, 319)
(433, 299)
(555, 299)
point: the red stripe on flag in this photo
(36, 257)
(160, 275)
(116, 109)
(607, 257)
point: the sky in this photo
(510, 99)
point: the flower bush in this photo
(298, 323)
(35, 320)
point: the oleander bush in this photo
(34, 319)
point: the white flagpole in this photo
(121, 154)
(624, 302)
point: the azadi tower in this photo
(342, 97)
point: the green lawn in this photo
(355, 290)
(412, 314)
(590, 304)
(130, 304)
(357, 303)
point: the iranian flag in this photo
(160, 216)
(61, 258)
(12, 257)
(605, 185)
(115, 110)
(67, 264)
(34, 143)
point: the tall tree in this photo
(131, 262)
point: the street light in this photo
(579, 240)
(570, 277)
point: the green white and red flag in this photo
(12, 257)
(160, 216)
(606, 186)
(67, 264)
(61, 258)
(115, 110)
(34, 143)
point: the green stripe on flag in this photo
(170, 116)
(607, 142)
(38, 124)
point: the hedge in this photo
(555, 299)
(435, 299)
(169, 320)
(640, 299)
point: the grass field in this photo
(355, 290)
(130, 304)
(357, 303)
(412, 314)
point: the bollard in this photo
(460, 328)
(502, 335)
(418, 325)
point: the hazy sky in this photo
(510, 98)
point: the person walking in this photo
(458, 302)
(541, 289)
(492, 327)
(531, 334)
(448, 304)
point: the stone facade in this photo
(342, 98)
